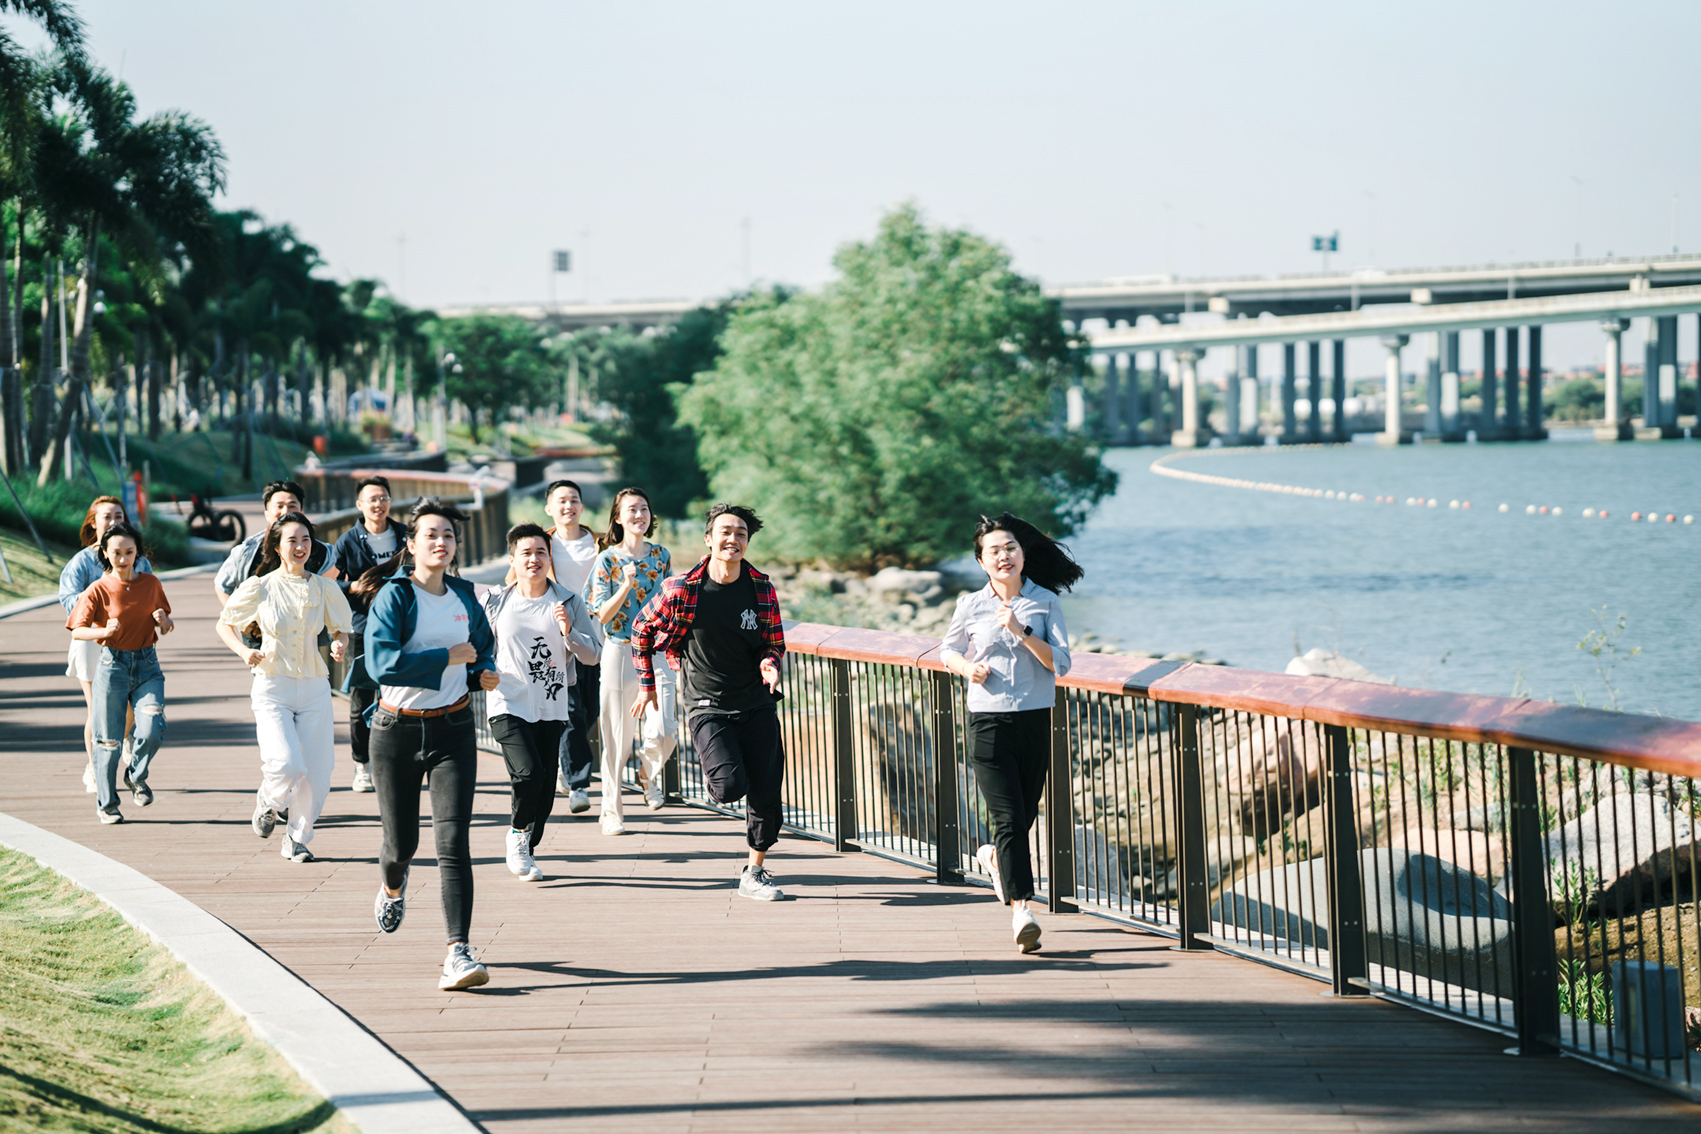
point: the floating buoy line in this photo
(1162, 467)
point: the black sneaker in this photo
(389, 911)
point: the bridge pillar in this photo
(1314, 391)
(1136, 408)
(1290, 424)
(1231, 399)
(1249, 395)
(1339, 371)
(1163, 377)
(1487, 427)
(1112, 420)
(1193, 433)
(1432, 430)
(1533, 430)
(1512, 430)
(1391, 433)
(1667, 325)
(1617, 427)
(1450, 430)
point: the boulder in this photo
(1469, 850)
(962, 574)
(1274, 772)
(1422, 914)
(896, 583)
(1626, 850)
(1317, 662)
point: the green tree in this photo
(872, 422)
(641, 376)
(501, 362)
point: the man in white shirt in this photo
(572, 551)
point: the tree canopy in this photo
(500, 363)
(871, 422)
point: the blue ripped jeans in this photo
(126, 679)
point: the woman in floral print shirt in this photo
(627, 572)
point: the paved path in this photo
(635, 991)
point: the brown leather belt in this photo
(443, 712)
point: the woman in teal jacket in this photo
(428, 643)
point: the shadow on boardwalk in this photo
(634, 990)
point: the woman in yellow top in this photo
(292, 685)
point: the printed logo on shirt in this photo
(747, 621)
(541, 669)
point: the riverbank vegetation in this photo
(105, 1031)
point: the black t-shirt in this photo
(723, 649)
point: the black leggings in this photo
(360, 698)
(742, 758)
(441, 749)
(1011, 754)
(530, 749)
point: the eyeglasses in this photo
(377, 499)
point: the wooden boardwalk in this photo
(634, 990)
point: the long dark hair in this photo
(615, 532)
(1044, 560)
(270, 559)
(122, 528)
(399, 563)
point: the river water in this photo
(1467, 600)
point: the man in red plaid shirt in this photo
(719, 623)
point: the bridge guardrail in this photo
(1525, 867)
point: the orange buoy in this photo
(1635, 515)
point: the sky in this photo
(685, 150)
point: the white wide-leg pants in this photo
(657, 733)
(297, 730)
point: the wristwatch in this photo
(1027, 631)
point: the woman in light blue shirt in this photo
(1008, 639)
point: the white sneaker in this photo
(109, 817)
(520, 859)
(362, 778)
(294, 851)
(561, 784)
(755, 882)
(1026, 929)
(654, 798)
(578, 802)
(611, 825)
(89, 778)
(987, 856)
(461, 971)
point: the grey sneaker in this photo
(362, 778)
(389, 911)
(264, 818)
(142, 794)
(461, 971)
(124, 780)
(109, 817)
(578, 802)
(1026, 929)
(757, 883)
(294, 851)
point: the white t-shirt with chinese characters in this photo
(439, 621)
(572, 559)
(531, 660)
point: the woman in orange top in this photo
(126, 613)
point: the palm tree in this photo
(20, 82)
(148, 184)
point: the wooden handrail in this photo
(1632, 740)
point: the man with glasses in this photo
(376, 539)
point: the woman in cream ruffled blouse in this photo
(291, 697)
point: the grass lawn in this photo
(31, 573)
(102, 1030)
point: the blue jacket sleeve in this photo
(72, 582)
(385, 661)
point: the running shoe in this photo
(755, 882)
(142, 794)
(461, 971)
(362, 778)
(89, 777)
(520, 859)
(578, 802)
(109, 817)
(561, 784)
(264, 818)
(1026, 929)
(389, 911)
(124, 780)
(987, 856)
(653, 796)
(294, 851)
(611, 825)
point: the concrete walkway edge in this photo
(374, 1087)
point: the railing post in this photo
(844, 757)
(1060, 813)
(1348, 963)
(1535, 963)
(1193, 891)
(947, 870)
